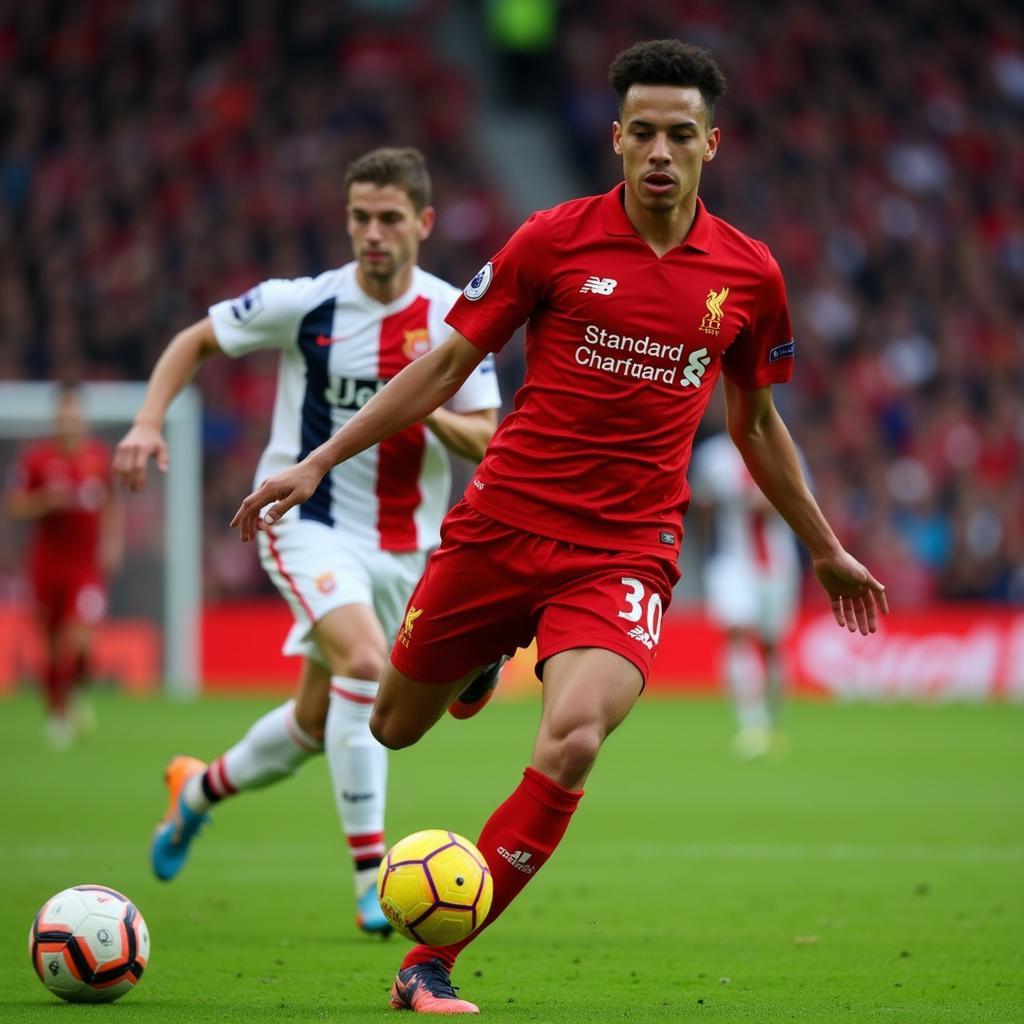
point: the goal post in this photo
(27, 410)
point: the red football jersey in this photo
(623, 350)
(67, 539)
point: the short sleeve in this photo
(479, 391)
(505, 292)
(762, 354)
(266, 316)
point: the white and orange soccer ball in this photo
(89, 944)
(435, 887)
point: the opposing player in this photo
(346, 562)
(751, 587)
(635, 301)
(62, 486)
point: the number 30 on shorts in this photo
(635, 606)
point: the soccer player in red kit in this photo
(62, 486)
(635, 302)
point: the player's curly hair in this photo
(406, 168)
(669, 62)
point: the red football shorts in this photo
(69, 596)
(490, 588)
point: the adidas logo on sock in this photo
(519, 860)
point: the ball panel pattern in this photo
(89, 944)
(434, 887)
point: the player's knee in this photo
(367, 662)
(391, 732)
(574, 752)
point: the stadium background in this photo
(158, 157)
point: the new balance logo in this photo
(641, 634)
(519, 860)
(599, 285)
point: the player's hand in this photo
(137, 446)
(286, 489)
(857, 597)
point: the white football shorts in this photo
(741, 595)
(317, 569)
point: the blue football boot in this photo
(174, 835)
(369, 917)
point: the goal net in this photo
(153, 621)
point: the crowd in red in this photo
(879, 150)
(158, 157)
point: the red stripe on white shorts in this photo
(276, 555)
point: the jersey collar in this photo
(613, 216)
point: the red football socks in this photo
(516, 842)
(58, 682)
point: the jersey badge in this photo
(783, 351)
(247, 307)
(712, 321)
(417, 343)
(405, 633)
(598, 286)
(326, 583)
(477, 288)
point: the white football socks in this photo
(273, 748)
(359, 774)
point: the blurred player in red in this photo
(635, 301)
(62, 487)
(751, 588)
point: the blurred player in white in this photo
(751, 586)
(347, 560)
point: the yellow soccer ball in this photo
(435, 887)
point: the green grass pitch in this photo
(874, 874)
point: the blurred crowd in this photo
(157, 156)
(879, 149)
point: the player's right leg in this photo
(587, 694)
(352, 640)
(745, 676)
(52, 611)
(273, 748)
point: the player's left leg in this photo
(273, 748)
(58, 674)
(587, 694)
(406, 710)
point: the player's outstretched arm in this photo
(759, 433)
(408, 398)
(174, 369)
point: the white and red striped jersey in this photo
(338, 348)
(748, 530)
